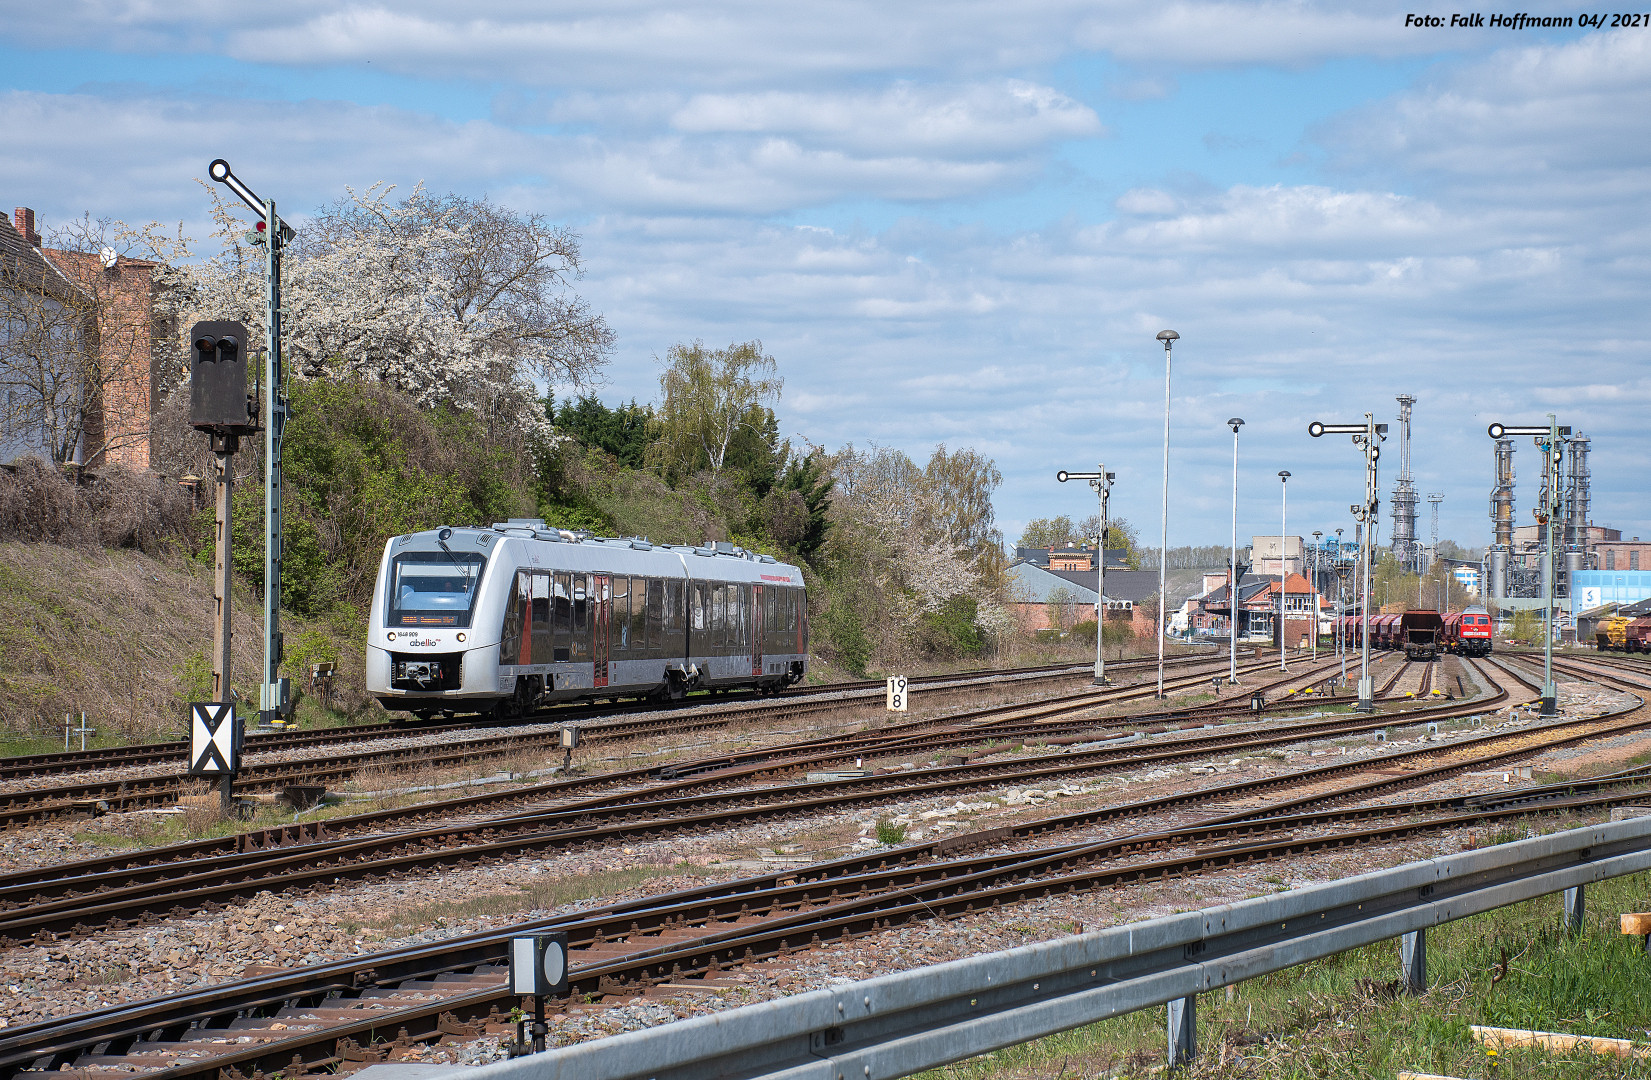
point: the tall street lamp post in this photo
(1169, 338)
(1283, 581)
(1102, 483)
(1233, 573)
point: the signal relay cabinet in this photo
(218, 400)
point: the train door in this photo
(601, 609)
(756, 630)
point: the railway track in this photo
(30, 765)
(33, 806)
(114, 891)
(30, 806)
(327, 1018)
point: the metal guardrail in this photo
(896, 1025)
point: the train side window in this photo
(770, 618)
(742, 620)
(516, 613)
(562, 615)
(540, 649)
(656, 617)
(698, 607)
(639, 616)
(719, 620)
(581, 616)
(619, 621)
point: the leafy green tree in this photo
(803, 496)
(711, 396)
(622, 432)
(1061, 607)
(1116, 633)
(950, 630)
(1527, 625)
(1047, 532)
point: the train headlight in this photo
(461, 637)
(391, 636)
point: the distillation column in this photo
(1576, 508)
(1501, 515)
(1406, 549)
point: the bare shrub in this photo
(37, 503)
(134, 509)
(114, 507)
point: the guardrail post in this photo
(1183, 1014)
(1413, 962)
(1573, 910)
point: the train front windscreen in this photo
(433, 588)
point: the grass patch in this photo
(890, 833)
(1342, 1017)
(553, 892)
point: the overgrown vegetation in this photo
(1343, 1017)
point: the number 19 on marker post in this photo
(897, 693)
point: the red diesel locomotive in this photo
(1422, 634)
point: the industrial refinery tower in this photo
(1406, 549)
(1515, 566)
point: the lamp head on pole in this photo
(1235, 423)
(1169, 338)
(1283, 476)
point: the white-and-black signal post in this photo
(215, 744)
(273, 234)
(538, 969)
(898, 699)
(1102, 483)
(220, 407)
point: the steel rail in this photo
(31, 806)
(96, 872)
(25, 765)
(61, 905)
(996, 865)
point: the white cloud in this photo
(1548, 121)
(1492, 282)
(729, 43)
(1009, 117)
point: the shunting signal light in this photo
(218, 378)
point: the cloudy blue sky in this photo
(966, 222)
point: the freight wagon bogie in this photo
(505, 619)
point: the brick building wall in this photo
(128, 339)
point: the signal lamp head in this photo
(1061, 476)
(218, 170)
(205, 343)
(1496, 431)
(227, 347)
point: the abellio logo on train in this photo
(424, 642)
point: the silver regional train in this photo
(501, 619)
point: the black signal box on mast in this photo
(218, 400)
